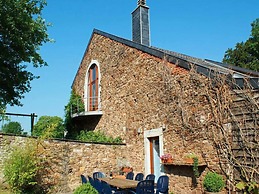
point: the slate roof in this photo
(203, 66)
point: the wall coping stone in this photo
(64, 140)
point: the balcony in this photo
(92, 108)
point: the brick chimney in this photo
(140, 24)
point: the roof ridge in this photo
(202, 63)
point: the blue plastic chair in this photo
(130, 176)
(150, 177)
(107, 189)
(91, 180)
(83, 179)
(97, 175)
(139, 177)
(121, 192)
(98, 185)
(144, 187)
(162, 184)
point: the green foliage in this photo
(21, 167)
(97, 136)
(12, 127)
(3, 117)
(22, 32)
(75, 105)
(213, 182)
(248, 188)
(246, 54)
(2, 112)
(85, 188)
(196, 167)
(49, 127)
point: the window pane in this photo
(94, 73)
(93, 88)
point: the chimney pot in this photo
(142, 2)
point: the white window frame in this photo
(86, 99)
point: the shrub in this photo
(213, 182)
(20, 169)
(85, 188)
(97, 136)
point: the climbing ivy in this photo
(74, 105)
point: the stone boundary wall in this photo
(66, 160)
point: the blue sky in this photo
(199, 28)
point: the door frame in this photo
(151, 134)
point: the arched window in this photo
(93, 88)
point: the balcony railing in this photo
(92, 107)
(93, 103)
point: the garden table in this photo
(120, 183)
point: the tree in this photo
(246, 54)
(49, 127)
(13, 127)
(22, 32)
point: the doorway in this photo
(154, 156)
(153, 150)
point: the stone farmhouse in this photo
(148, 97)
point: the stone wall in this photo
(66, 160)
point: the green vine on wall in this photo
(74, 105)
(196, 167)
(218, 110)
